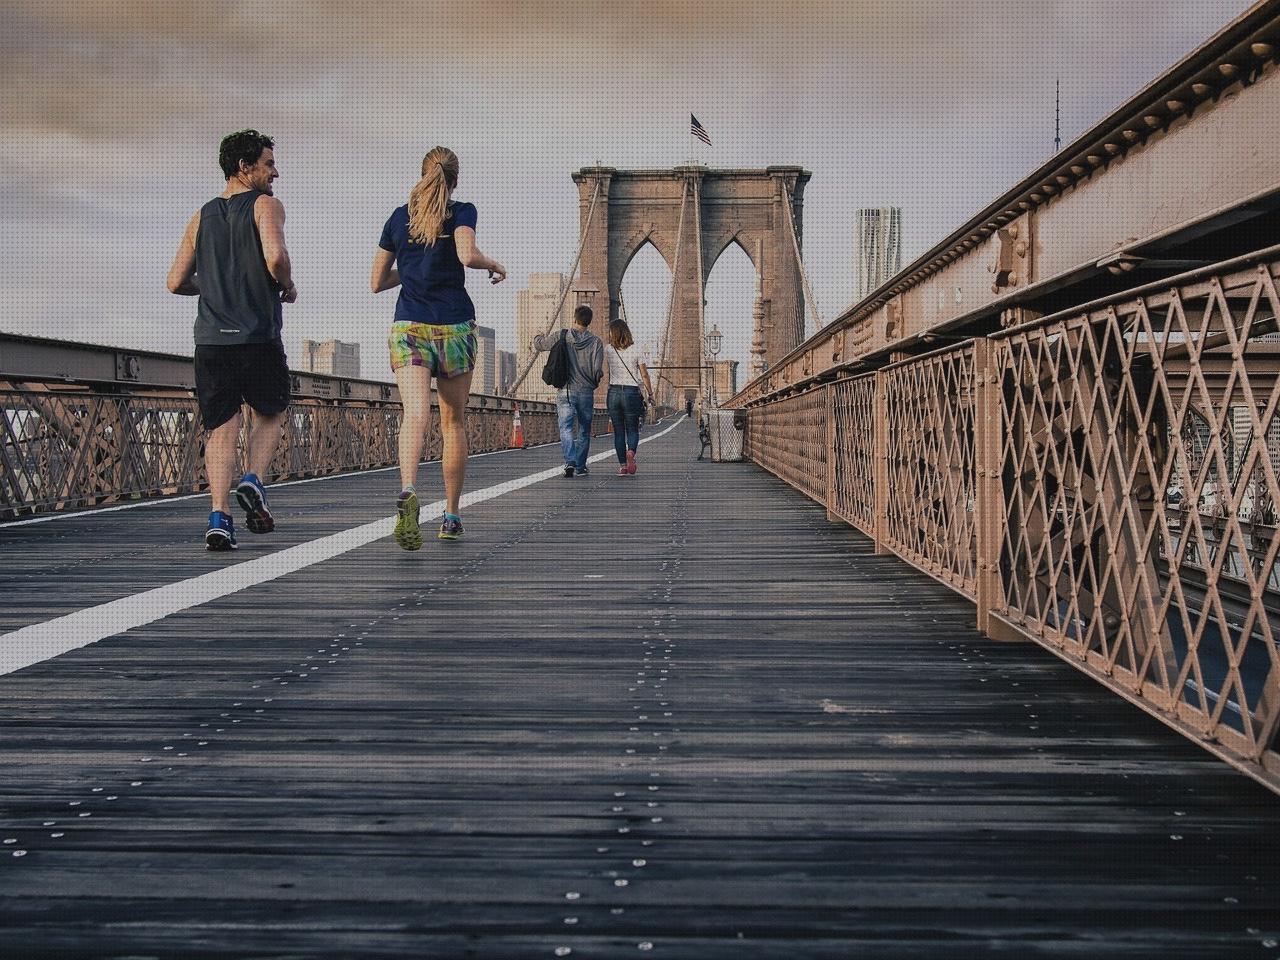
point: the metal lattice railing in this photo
(789, 439)
(1103, 481)
(1139, 462)
(854, 412)
(68, 446)
(929, 452)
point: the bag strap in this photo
(617, 353)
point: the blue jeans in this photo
(574, 408)
(624, 414)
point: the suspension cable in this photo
(555, 314)
(671, 295)
(804, 275)
(703, 352)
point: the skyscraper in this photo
(506, 373)
(879, 247)
(332, 357)
(485, 376)
(534, 308)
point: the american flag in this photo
(698, 130)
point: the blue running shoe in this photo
(450, 527)
(251, 495)
(221, 534)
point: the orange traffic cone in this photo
(517, 430)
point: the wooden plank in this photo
(422, 755)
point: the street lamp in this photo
(714, 340)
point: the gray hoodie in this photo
(586, 361)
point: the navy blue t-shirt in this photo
(431, 278)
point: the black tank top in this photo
(239, 300)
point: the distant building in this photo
(331, 357)
(878, 248)
(485, 377)
(534, 308)
(506, 372)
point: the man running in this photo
(233, 257)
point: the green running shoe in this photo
(408, 534)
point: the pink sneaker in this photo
(624, 472)
(631, 462)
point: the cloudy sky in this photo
(113, 111)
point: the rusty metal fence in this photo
(67, 446)
(1102, 481)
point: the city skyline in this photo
(116, 111)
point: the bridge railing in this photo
(1102, 482)
(66, 445)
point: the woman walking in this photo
(425, 246)
(627, 372)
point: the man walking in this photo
(233, 257)
(575, 401)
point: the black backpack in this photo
(556, 371)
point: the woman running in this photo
(424, 247)
(627, 371)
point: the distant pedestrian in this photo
(628, 375)
(688, 408)
(575, 401)
(233, 258)
(704, 436)
(425, 246)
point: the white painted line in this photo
(43, 641)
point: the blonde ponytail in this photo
(429, 198)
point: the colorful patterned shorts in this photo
(447, 350)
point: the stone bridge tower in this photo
(690, 215)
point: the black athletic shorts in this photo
(228, 375)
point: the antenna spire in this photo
(1057, 114)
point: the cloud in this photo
(114, 110)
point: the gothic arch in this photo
(701, 212)
(743, 243)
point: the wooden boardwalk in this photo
(676, 715)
